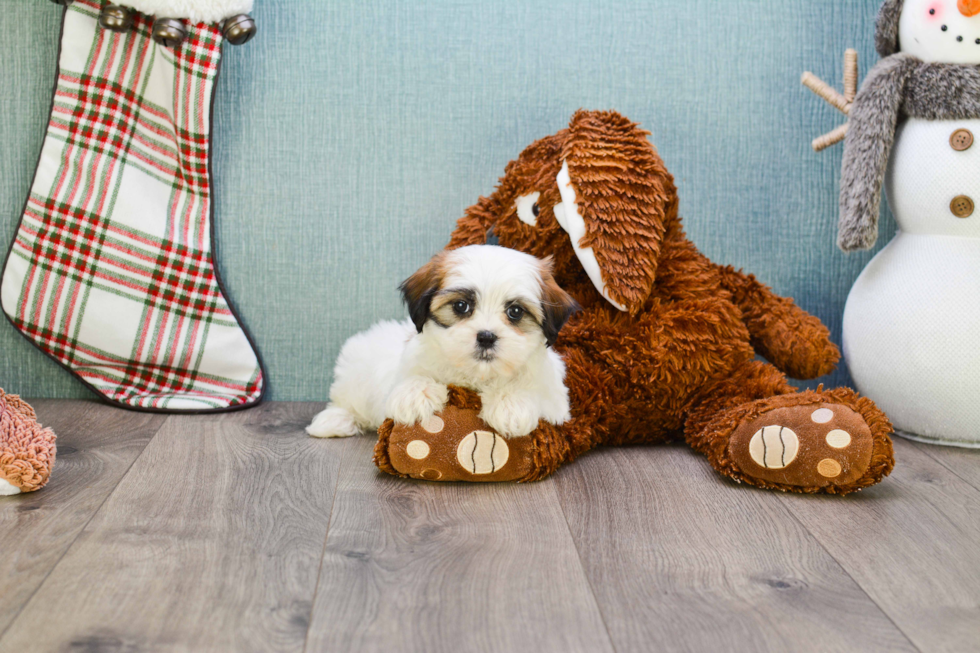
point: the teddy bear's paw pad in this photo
(482, 452)
(456, 445)
(8, 489)
(815, 445)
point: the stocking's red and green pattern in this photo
(111, 270)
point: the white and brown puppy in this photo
(482, 317)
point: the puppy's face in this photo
(487, 309)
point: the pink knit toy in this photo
(27, 450)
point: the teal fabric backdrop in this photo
(350, 135)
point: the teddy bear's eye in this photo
(527, 209)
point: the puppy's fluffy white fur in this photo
(401, 369)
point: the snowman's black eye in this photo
(978, 41)
(945, 28)
(932, 12)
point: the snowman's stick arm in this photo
(833, 138)
(850, 74)
(821, 88)
(842, 103)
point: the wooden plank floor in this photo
(239, 533)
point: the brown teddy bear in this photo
(665, 344)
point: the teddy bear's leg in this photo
(458, 446)
(599, 408)
(755, 428)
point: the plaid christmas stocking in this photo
(111, 270)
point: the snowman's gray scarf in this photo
(900, 86)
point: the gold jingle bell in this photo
(169, 32)
(116, 18)
(239, 30)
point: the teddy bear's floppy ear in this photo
(617, 200)
(886, 27)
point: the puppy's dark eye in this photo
(535, 209)
(461, 308)
(515, 313)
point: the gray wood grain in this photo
(965, 463)
(681, 559)
(96, 446)
(913, 544)
(211, 533)
(412, 566)
(212, 541)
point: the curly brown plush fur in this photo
(679, 361)
(27, 450)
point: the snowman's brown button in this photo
(961, 140)
(962, 206)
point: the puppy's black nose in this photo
(486, 339)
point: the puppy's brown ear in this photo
(556, 304)
(419, 289)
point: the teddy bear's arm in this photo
(787, 336)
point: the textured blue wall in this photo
(351, 134)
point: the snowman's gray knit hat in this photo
(886, 29)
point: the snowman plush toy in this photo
(912, 321)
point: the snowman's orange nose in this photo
(969, 7)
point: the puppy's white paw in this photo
(334, 422)
(511, 417)
(415, 399)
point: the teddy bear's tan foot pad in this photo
(457, 445)
(815, 445)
